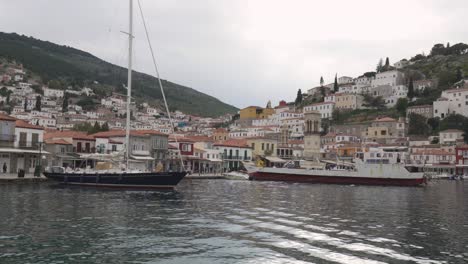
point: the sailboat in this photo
(127, 178)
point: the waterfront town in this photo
(56, 127)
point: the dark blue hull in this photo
(150, 180)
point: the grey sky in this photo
(246, 52)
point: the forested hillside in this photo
(62, 66)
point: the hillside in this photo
(64, 66)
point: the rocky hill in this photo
(63, 66)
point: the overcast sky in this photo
(246, 52)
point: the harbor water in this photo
(222, 221)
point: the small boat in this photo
(122, 178)
(358, 173)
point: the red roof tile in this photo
(23, 124)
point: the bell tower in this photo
(312, 123)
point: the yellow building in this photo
(262, 146)
(256, 112)
(220, 134)
(348, 101)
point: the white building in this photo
(391, 78)
(325, 109)
(450, 136)
(453, 101)
(53, 93)
(27, 135)
(345, 80)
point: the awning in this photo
(142, 157)
(215, 160)
(275, 160)
(22, 151)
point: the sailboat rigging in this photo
(124, 178)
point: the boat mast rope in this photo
(160, 84)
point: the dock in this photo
(6, 178)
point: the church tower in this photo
(312, 123)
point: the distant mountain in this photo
(63, 66)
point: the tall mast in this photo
(129, 84)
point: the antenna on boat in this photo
(160, 84)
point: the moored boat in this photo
(123, 176)
(359, 173)
(126, 180)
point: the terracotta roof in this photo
(330, 134)
(7, 117)
(220, 130)
(200, 138)
(296, 141)
(57, 142)
(238, 143)
(68, 134)
(23, 124)
(180, 138)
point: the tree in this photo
(374, 102)
(379, 65)
(96, 128)
(387, 63)
(321, 81)
(417, 125)
(105, 127)
(459, 75)
(401, 106)
(335, 85)
(25, 104)
(65, 103)
(8, 98)
(299, 97)
(38, 103)
(411, 89)
(438, 49)
(434, 122)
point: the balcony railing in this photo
(232, 157)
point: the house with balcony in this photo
(20, 145)
(434, 160)
(234, 152)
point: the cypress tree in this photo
(410, 89)
(38, 103)
(65, 103)
(299, 97)
(335, 85)
(25, 104)
(321, 81)
(387, 63)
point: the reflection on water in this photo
(235, 222)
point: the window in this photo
(263, 146)
(22, 139)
